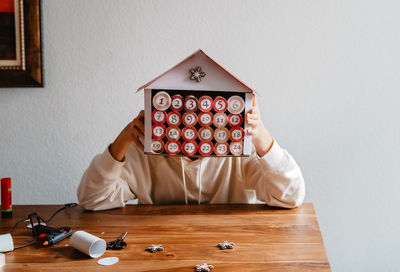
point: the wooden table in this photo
(266, 238)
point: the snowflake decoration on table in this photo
(197, 74)
(203, 267)
(155, 248)
(226, 245)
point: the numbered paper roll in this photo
(205, 134)
(205, 103)
(236, 148)
(158, 116)
(205, 119)
(235, 120)
(220, 104)
(189, 134)
(221, 135)
(173, 147)
(221, 149)
(173, 133)
(235, 104)
(174, 119)
(158, 131)
(161, 101)
(191, 103)
(189, 148)
(236, 134)
(206, 148)
(220, 119)
(189, 119)
(177, 102)
(157, 146)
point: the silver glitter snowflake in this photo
(155, 248)
(197, 74)
(203, 267)
(226, 245)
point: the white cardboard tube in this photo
(2, 260)
(6, 243)
(89, 244)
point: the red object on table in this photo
(6, 204)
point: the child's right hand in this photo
(132, 133)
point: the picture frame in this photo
(21, 63)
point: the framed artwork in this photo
(20, 43)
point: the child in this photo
(123, 172)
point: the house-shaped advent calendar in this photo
(197, 108)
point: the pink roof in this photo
(202, 52)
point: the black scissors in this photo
(119, 243)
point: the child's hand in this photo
(132, 133)
(261, 138)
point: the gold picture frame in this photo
(20, 44)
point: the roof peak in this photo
(197, 52)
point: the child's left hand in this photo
(261, 138)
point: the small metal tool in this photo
(119, 243)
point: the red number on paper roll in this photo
(235, 120)
(220, 104)
(236, 148)
(189, 119)
(221, 149)
(220, 119)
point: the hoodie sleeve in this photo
(103, 186)
(276, 178)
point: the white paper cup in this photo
(2, 260)
(6, 243)
(89, 244)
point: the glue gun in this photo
(49, 236)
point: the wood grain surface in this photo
(266, 238)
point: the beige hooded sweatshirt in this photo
(275, 179)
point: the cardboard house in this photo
(197, 108)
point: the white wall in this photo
(328, 72)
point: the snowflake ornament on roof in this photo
(197, 74)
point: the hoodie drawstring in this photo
(184, 180)
(198, 178)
